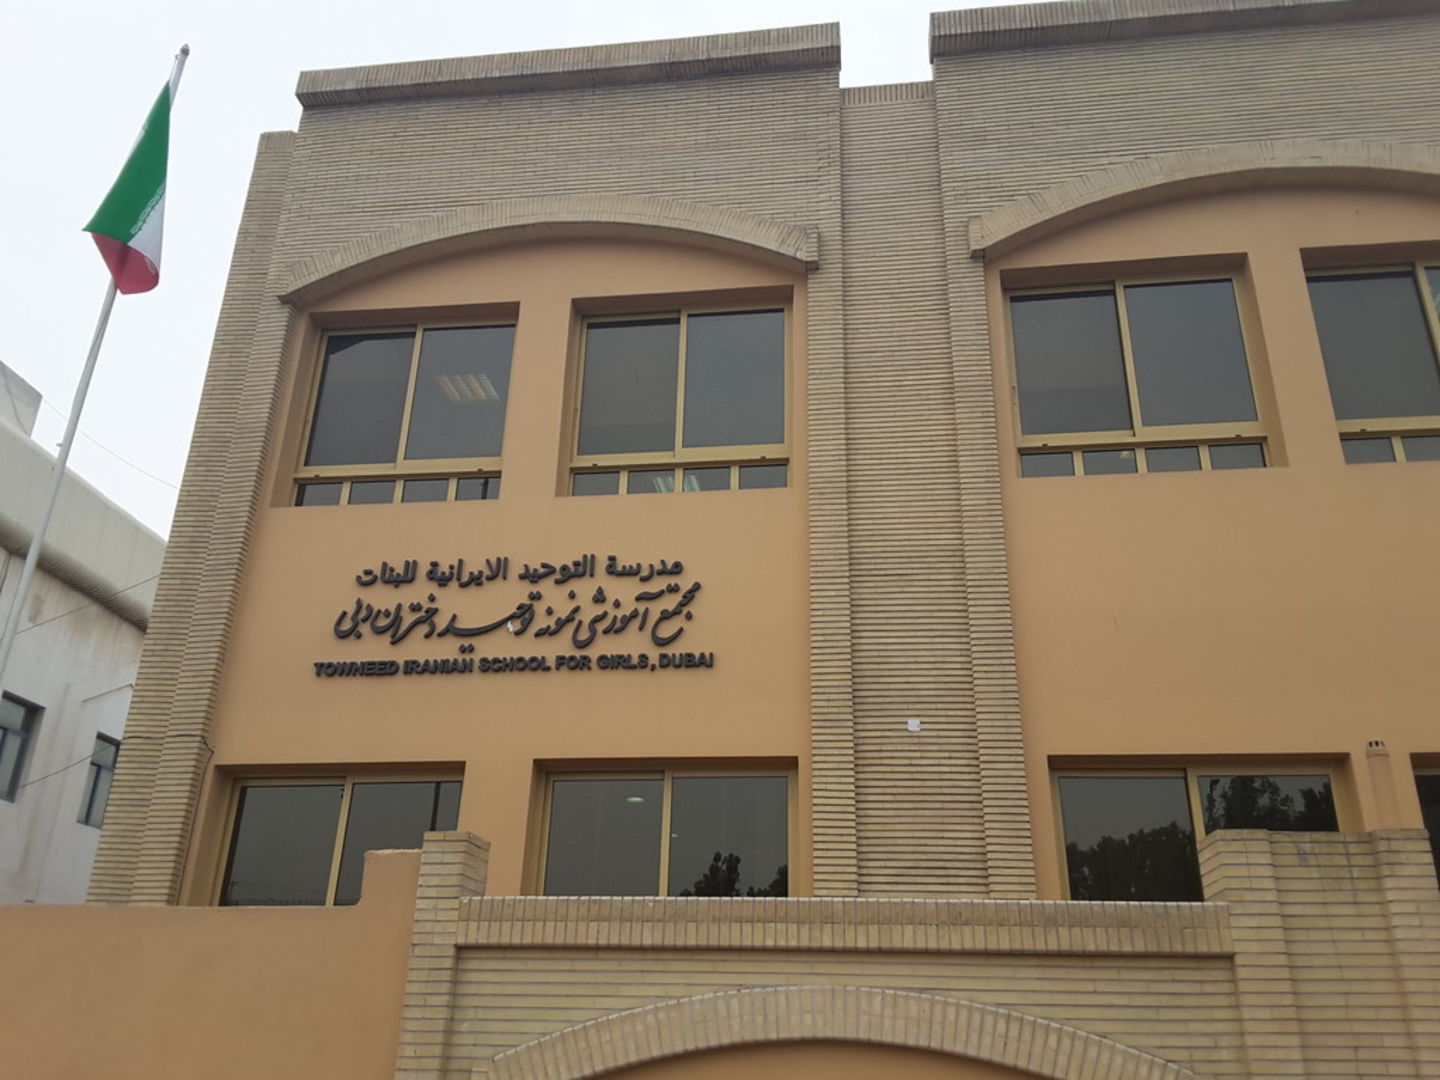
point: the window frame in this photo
(1140, 435)
(31, 715)
(1394, 428)
(1417, 770)
(92, 772)
(347, 780)
(1190, 774)
(679, 457)
(402, 468)
(535, 878)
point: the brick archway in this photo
(511, 220)
(1268, 162)
(847, 1013)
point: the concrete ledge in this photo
(794, 48)
(849, 925)
(1074, 22)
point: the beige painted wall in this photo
(1175, 617)
(747, 548)
(817, 1061)
(135, 993)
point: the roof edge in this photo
(793, 48)
(1072, 22)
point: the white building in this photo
(67, 687)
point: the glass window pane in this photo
(604, 838)
(11, 745)
(1432, 282)
(1172, 458)
(372, 491)
(1367, 451)
(383, 816)
(1422, 447)
(1102, 462)
(1047, 465)
(627, 400)
(1282, 803)
(432, 489)
(447, 806)
(707, 479)
(1378, 354)
(1129, 838)
(1237, 456)
(1428, 785)
(1188, 353)
(361, 400)
(97, 797)
(284, 839)
(460, 392)
(12, 714)
(735, 379)
(1069, 367)
(764, 476)
(105, 752)
(729, 836)
(649, 481)
(477, 487)
(318, 495)
(595, 483)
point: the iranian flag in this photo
(130, 222)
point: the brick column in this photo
(1412, 904)
(452, 865)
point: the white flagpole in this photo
(57, 474)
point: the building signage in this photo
(583, 613)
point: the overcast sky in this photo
(79, 79)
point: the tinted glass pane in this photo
(649, 481)
(1047, 465)
(372, 491)
(433, 489)
(318, 495)
(1429, 788)
(361, 400)
(1237, 456)
(1367, 451)
(627, 402)
(97, 796)
(447, 806)
(1069, 367)
(1282, 803)
(460, 393)
(11, 744)
(1422, 447)
(382, 817)
(595, 483)
(1188, 353)
(1432, 282)
(1172, 458)
(1129, 838)
(764, 476)
(1101, 462)
(1377, 349)
(284, 838)
(729, 836)
(477, 487)
(105, 753)
(12, 715)
(707, 479)
(735, 379)
(604, 838)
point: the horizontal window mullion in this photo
(1384, 425)
(729, 455)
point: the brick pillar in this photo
(1238, 868)
(1412, 904)
(452, 865)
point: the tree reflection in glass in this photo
(728, 836)
(1129, 838)
(1282, 803)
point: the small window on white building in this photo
(18, 721)
(97, 781)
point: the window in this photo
(1126, 377)
(1380, 336)
(414, 415)
(304, 842)
(1428, 785)
(1131, 835)
(681, 401)
(667, 834)
(18, 720)
(97, 780)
